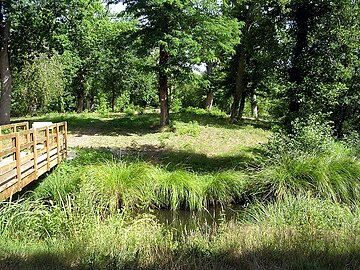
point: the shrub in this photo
(192, 128)
(309, 160)
(129, 110)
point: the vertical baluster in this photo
(35, 152)
(65, 137)
(1, 142)
(58, 142)
(18, 160)
(47, 147)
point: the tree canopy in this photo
(283, 60)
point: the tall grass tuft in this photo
(304, 212)
(310, 161)
(226, 188)
(33, 219)
(138, 185)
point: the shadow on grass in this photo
(206, 119)
(114, 126)
(171, 159)
(264, 258)
(120, 124)
(36, 262)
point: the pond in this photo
(207, 221)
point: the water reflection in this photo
(206, 221)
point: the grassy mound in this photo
(119, 184)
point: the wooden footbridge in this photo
(26, 154)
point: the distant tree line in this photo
(288, 60)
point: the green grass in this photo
(306, 213)
(136, 184)
(123, 242)
(300, 197)
(310, 164)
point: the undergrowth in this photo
(309, 161)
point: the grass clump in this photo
(191, 129)
(310, 161)
(141, 185)
(34, 219)
(305, 212)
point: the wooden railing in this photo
(27, 154)
(14, 127)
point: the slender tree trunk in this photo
(240, 86)
(88, 104)
(113, 96)
(254, 106)
(5, 73)
(242, 105)
(80, 103)
(209, 101)
(210, 93)
(296, 74)
(163, 88)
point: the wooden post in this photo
(1, 142)
(47, 147)
(35, 151)
(65, 138)
(58, 142)
(28, 135)
(13, 144)
(18, 159)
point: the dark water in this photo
(207, 220)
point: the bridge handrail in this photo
(27, 154)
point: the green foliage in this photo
(64, 180)
(353, 141)
(33, 218)
(122, 101)
(96, 210)
(129, 110)
(192, 129)
(176, 105)
(313, 137)
(323, 75)
(310, 161)
(102, 107)
(39, 86)
(213, 112)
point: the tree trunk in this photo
(240, 86)
(296, 74)
(242, 105)
(88, 104)
(209, 100)
(163, 88)
(113, 97)
(5, 73)
(80, 103)
(254, 106)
